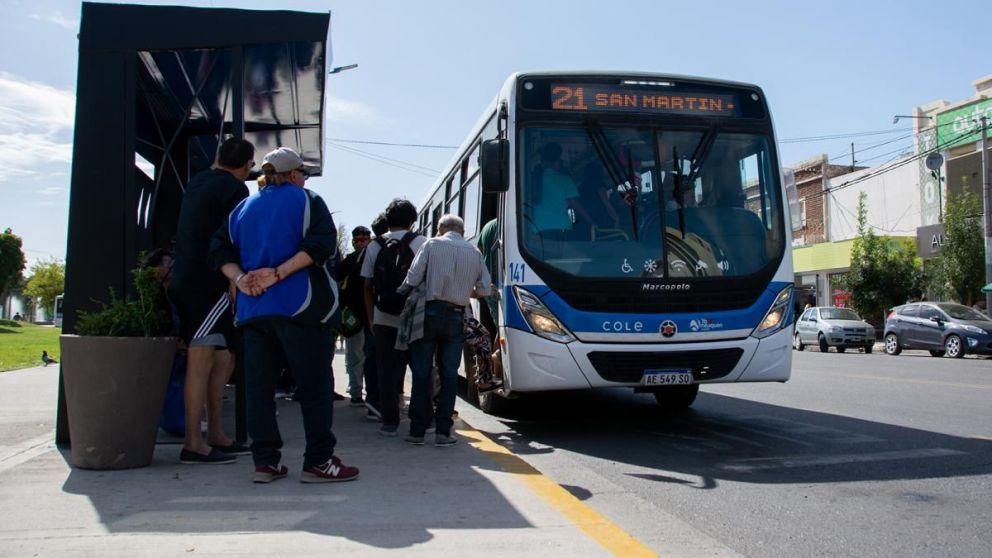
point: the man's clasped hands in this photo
(255, 282)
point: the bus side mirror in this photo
(495, 163)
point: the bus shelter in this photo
(158, 89)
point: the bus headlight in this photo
(539, 318)
(774, 319)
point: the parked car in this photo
(829, 326)
(943, 328)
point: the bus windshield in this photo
(615, 202)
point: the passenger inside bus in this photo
(554, 192)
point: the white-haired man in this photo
(452, 271)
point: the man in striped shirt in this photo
(452, 271)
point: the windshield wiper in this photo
(615, 169)
(695, 164)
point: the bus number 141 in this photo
(518, 272)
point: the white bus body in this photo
(643, 232)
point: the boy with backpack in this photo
(387, 261)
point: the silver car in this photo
(829, 326)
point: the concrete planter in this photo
(114, 389)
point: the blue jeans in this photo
(354, 361)
(308, 351)
(444, 333)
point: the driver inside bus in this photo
(554, 192)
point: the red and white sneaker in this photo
(331, 471)
(269, 473)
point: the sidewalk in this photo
(408, 501)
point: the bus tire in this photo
(492, 403)
(676, 399)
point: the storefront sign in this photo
(929, 240)
(961, 126)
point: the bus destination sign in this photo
(625, 98)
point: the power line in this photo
(392, 144)
(398, 161)
(873, 146)
(902, 163)
(812, 139)
(409, 167)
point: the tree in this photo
(885, 272)
(11, 263)
(46, 282)
(958, 272)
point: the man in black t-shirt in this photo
(353, 298)
(201, 296)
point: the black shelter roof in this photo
(166, 85)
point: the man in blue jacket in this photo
(279, 246)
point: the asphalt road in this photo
(857, 455)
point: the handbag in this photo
(350, 324)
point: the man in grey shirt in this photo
(452, 271)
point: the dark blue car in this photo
(943, 328)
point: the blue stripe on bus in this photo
(616, 322)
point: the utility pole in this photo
(987, 203)
(852, 155)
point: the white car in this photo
(829, 326)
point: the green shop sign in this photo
(961, 125)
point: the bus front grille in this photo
(629, 367)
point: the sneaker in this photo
(414, 440)
(269, 473)
(339, 397)
(357, 402)
(442, 441)
(213, 458)
(388, 430)
(233, 448)
(330, 471)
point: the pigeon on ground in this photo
(47, 359)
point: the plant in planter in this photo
(116, 371)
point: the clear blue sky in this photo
(427, 69)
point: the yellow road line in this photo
(911, 381)
(597, 526)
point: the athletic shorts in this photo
(205, 318)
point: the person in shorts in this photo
(202, 300)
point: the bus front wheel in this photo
(492, 403)
(675, 399)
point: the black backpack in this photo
(391, 266)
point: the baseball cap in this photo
(283, 159)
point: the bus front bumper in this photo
(537, 364)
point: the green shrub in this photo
(129, 317)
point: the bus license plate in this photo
(677, 377)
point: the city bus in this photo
(643, 237)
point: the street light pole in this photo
(987, 205)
